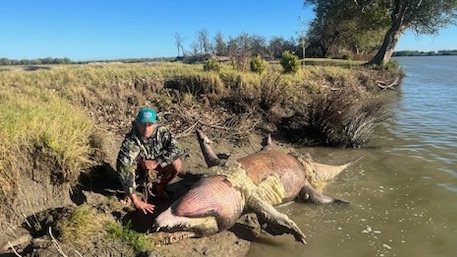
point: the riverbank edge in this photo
(54, 197)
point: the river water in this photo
(403, 192)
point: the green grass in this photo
(87, 222)
(136, 240)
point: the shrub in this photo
(392, 65)
(258, 64)
(290, 62)
(212, 64)
(389, 66)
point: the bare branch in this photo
(56, 244)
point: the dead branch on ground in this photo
(383, 85)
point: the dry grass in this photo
(343, 121)
(36, 121)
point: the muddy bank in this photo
(39, 235)
(236, 121)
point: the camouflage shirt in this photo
(161, 146)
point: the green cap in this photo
(146, 115)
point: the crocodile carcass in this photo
(253, 184)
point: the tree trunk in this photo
(388, 45)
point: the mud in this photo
(39, 235)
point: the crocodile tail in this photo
(326, 172)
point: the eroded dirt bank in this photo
(98, 189)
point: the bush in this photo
(392, 65)
(258, 65)
(211, 65)
(290, 62)
(389, 66)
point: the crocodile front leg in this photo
(166, 238)
(276, 222)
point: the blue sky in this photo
(113, 29)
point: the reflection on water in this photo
(403, 192)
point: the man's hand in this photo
(144, 206)
(139, 204)
(150, 164)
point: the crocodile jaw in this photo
(202, 226)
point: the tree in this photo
(302, 39)
(421, 16)
(202, 45)
(334, 18)
(322, 35)
(258, 45)
(240, 51)
(242, 48)
(5, 61)
(178, 41)
(275, 47)
(220, 47)
(203, 41)
(346, 26)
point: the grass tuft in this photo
(85, 222)
(137, 241)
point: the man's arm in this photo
(172, 149)
(126, 165)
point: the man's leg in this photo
(168, 173)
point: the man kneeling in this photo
(147, 147)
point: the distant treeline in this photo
(429, 53)
(50, 60)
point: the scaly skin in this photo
(254, 183)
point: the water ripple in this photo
(449, 186)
